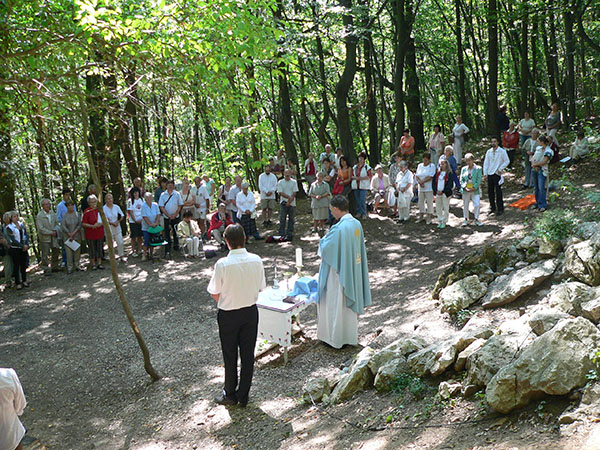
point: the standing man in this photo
(47, 225)
(210, 186)
(231, 198)
(202, 205)
(496, 160)
(170, 205)
(235, 284)
(344, 289)
(61, 210)
(326, 154)
(12, 405)
(267, 184)
(287, 190)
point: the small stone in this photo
(449, 389)
(549, 249)
(470, 390)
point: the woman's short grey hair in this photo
(535, 131)
(92, 197)
(44, 200)
(8, 215)
(450, 148)
(321, 174)
(403, 163)
(470, 156)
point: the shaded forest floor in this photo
(83, 376)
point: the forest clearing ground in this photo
(83, 376)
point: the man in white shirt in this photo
(496, 160)
(170, 204)
(267, 185)
(233, 192)
(202, 203)
(235, 284)
(12, 405)
(287, 190)
(246, 205)
(424, 174)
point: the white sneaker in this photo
(428, 221)
(464, 223)
(144, 257)
(478, 223)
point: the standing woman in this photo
(134, 211)
(71, 230)
(437, 141)
(404, 188)
(553, 122)
(94, 232)
(542, 156)
(5, 243)
(189, 199)
(319, 194)
(459, 131)
(19, 246)
(470, 184)
(310, 169)
(443, 183)
(114, 215)
(526, 126)
(510, 142)
(361, 182)
(224, 190)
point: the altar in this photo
(275, 317)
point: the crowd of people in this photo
(185, 216)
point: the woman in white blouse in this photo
(404, 188)
(114, 215)
(459, 131)
(437, 141)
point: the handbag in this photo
(338, 187)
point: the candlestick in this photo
(275, 280)
(299, 258)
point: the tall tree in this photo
(413, 97)
(460, 58)
(492, 96)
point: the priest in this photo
(344, 289)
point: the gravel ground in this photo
(82, 372)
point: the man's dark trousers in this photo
(495, 193)
(238, 328)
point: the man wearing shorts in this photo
(267, 185)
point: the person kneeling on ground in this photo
(236, 281)
(218, 222)
(189, 233)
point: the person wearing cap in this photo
(246, 212)
(380, 186)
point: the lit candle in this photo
(298, 257)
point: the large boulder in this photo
(507, 288)
(314, 390)
(567, 297)
(388, 374)
(549, 249)
(591, 308)
(359, 377)
(554, 364)
(498, 351)
(461, 359)
(462, 294)
(582, 260)
(543, 320)
(587, 230)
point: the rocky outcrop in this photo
(507, 288)
(315, 389)
(567, 297)
(582, 260)
(461, 359)
(388, 374)
(554, 364)
(591, 309)
(543, 320)
(449, 389)
(359, 377)
(462, 294)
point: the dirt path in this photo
(71, 345)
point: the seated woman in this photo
(380, 186)
(189, 233)
(218, 222)
(443, 182)
(319, 194)
(580, 147)
(71, 230)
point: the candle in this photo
(298, 257)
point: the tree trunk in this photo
(344, 84)
(492, 98)
(7, 176)
(322, 132)
(413, 97)
(462, 94)
(97, 126)
(118, 134)
(523, 102)
(401, 34)
(374, 149)
(569, 20)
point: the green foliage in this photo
(463, 316)
(555, 225)
(407, 383)
(594, 374)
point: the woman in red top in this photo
(510, 142)
(218, 222)
(94, 232)
(407, 146)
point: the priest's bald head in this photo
(339, 206)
